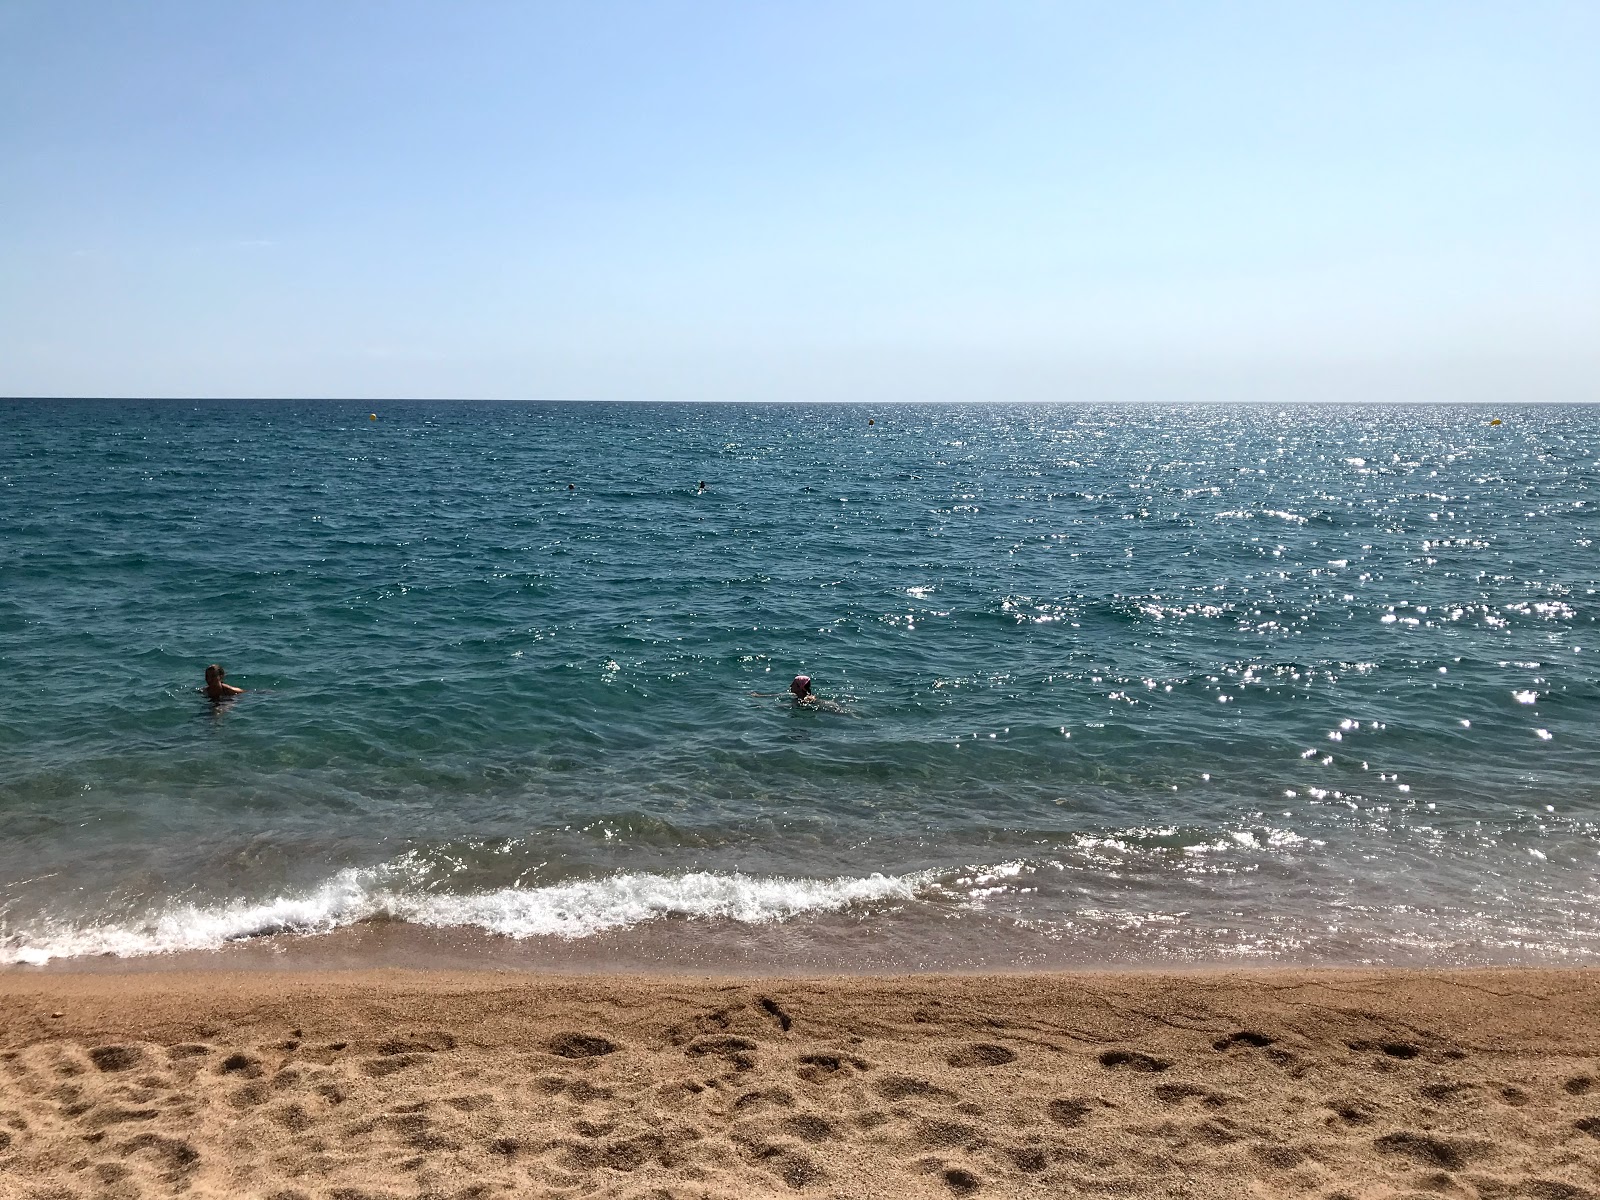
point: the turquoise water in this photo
(1113, 684)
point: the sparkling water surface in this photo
(1123, 684)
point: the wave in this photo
(570, 910)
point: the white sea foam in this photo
(576, 909)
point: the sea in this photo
(1103, 686)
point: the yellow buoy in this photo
(1496, 421)
(372, 416)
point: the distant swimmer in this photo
(801, 693)
(215, 688)
(702, 485)
(572, 487)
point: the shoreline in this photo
(802, 948)
(1213, 1081)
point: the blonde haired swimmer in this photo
(215, 688)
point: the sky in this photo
(1001, 200)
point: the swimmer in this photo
(702, 485)
(215, 689)
(800, 692)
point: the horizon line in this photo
(1199, 402)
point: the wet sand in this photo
(349, 1085)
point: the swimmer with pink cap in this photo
(800, 692)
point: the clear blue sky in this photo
(810, 200)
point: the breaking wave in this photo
(569, 910)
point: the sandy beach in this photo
(1356, 1084)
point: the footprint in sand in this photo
(982, 1054)
(578, 1090)
(823, 1068)
(1450, 1153)
(947, 1135)
(1132, 1060)
(735, 1050)
(419, 1044)
(903, 1087)
(1254, 1039)
(240, 1064)
(1352, 1112)
(962, 1182)
(116, 1114)
(1072, 1111)
(1177, 1093)
(1446, 1092)
(173, 1154)
(377, 1068)
(116, 1058)
(809, 1127)
(250, 1095)
(789, 1163)
(580, 1045)
(293, 1117)
(1278, 1156)
(777, 1097)
(1028, 1159)
(1401, 1050)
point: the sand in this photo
(344, 1085)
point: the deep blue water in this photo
(1130, 683)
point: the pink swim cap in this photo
(801, 685)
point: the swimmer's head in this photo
(801, 686)
(215, 674)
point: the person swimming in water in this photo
(803, 696)
(215, 689)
